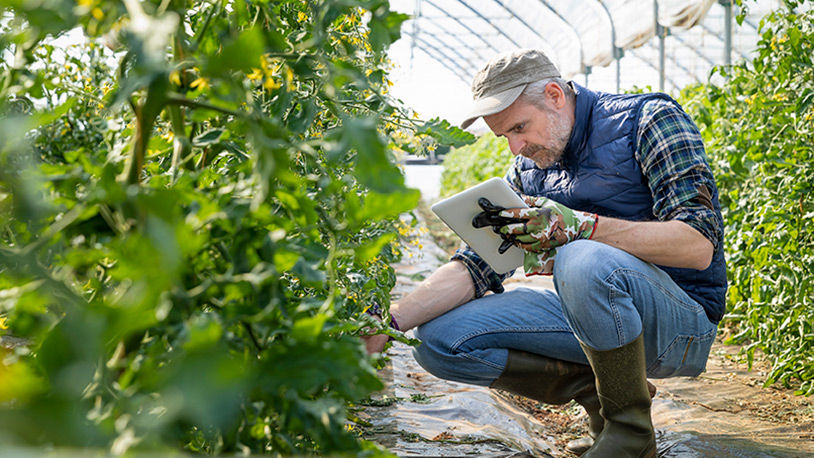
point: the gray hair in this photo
(534, 93)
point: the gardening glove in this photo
(541, 263)
(538, 229)
(544, 225)
(490, 216)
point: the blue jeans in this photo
(604, 297)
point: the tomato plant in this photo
(197, 203)
(758, 128)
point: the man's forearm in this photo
(666, 243)
(448, 287)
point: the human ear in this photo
(555, 94)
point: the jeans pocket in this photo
(685, 357)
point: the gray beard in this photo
(559, 131)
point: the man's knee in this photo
(581, 267)
(432, 354)
(438, 357)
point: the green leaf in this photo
(446, 134)
(375, 206)
(50, 116)
(370, 250)
(240, 54)
(309, 328)
(373, 168)
(385, 28)
(211, 136)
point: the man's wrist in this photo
(376, 310)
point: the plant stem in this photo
(181, 100)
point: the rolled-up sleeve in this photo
(671, 153)
(484, 277)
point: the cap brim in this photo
(492, 104)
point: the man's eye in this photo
(519, 127)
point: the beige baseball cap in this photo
(503, 79)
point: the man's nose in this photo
(515, 145)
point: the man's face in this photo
(538, 134)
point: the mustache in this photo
(530, 150)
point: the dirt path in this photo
(723, 413)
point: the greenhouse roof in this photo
(608, 45)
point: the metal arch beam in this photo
(617, 52)
(559, 16)
(486, 20)
(444, 59)
(463, 68)
(441, 61)
(462, 24)
(649, 64)
(727, 33)
(686, 70)
(573, 29)
(454, 51)
(693, 49)
(722, 40)
(458, 38)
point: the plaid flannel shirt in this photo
(670, 151)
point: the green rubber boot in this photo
(595, 421)
(625, 399)
(554, 382)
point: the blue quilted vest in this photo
(600, 174)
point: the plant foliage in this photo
(467, 166)
(758, 127)
(197, 202)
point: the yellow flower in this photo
(3, 323)
(97, 14)
(175, 77)
(255, 75)
(302, 17)
(271, 84)
(106, 88)
(289, 78)
(200, 82)
(84, 3)
(169, 136)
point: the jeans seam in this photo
(480, 360)
(692, 306)
(617, 317)
(458, 343)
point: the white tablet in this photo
(457, 213)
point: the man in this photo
(640, 277)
